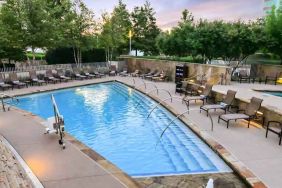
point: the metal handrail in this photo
(59, 122)
(178, 116)
(144, 83)
(180, 98)
(160, 90)
(5, 96)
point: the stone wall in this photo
(261, 70)
(213, 74)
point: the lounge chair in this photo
(60, 74)
(96, 73)
(161, 77)
(50, 78)
(86, 73)
(113, 70)
(3, 85)
(34, 78)
(224, 105)
(248, 114)
(15, 81)
(244, 76)
(77, 75)
(150, 73)
(272, 77)
(156, 74)
(276, 128)
(136, 73)
(203, 97)
(124, 72)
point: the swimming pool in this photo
(111, 118)
(275, 93)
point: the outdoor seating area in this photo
(140, 94)
(43, 77)
(244, 76)
(251, 110)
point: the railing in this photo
(170, 98)
(5, 101)
(178, 116)
(160, 90)
(59, 122)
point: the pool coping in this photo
(236, 165)
(99, 159)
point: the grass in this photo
(38, 56)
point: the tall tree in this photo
(121, 24)
(107, 36)
(274, 31)
(145, 29)
(78, 28)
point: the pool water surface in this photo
(111, 118)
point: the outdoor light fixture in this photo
(259, 113)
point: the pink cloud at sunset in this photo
(168, 12)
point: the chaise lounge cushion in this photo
(228, 117)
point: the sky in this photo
(168, 12)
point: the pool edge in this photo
(236, 165)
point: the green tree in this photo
(107, 36)
(78, 28)
(121, 24)
(274, 32)
(145, 29)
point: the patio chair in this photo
(3, 85)
(15, 81)
(136, 73)
(34, 78)
(94, 71)
(191, 89)
(113, 70)
(244, 76)
(276, 128)
(162, 77)
(60, 74)
(272, 77)
(224, 105)
(50, 78)
(156, 74)
(248, 114)
(124, 72)
(203, 97)
(86, 73)
(77, 75)
(150, 73)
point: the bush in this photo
(190, 59)
(94, 55)
(65, 56)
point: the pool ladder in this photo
(8, 103)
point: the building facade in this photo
(268, 4)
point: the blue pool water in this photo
(275, 93)
(112, 119)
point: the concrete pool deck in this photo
(262, 156)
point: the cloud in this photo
(168, 12)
